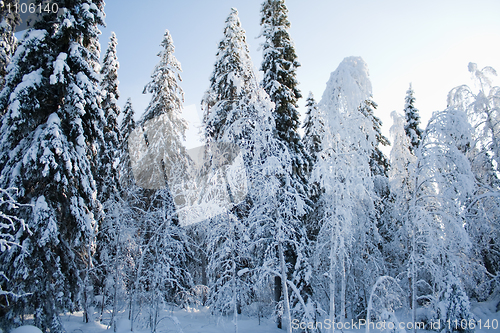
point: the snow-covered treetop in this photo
(127, 124)
(314, 127)
(402, 161)
(167, 94)
(348, 86)
(232, 66)
(109, 84)
(412, 117)
(232, 81)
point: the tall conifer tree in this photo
(8, 42)
(279, 66)
(412, 117)
(108, 187)
(50, 136)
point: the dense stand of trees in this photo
(116, 219)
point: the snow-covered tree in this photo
(162, 125)
(163, 246)
(50, 135)
(127, 126)
(11, 229)
(314, 133)
(348, 229)
(107, 177)
(108, 187)
(412, 117)
(237, 110)
(314, 128)
(279, 65)
(164, 250)
(8, 42)
(443, 187)
(482, 106)
(453, 308)
(379, 165)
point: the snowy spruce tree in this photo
(399, 231)
(453, 309)
(412, 117)
(108, 187)
(127, 126)
(279, 65)
(50, 135)
(237, 110)
(107, 177)
(379, 165)
(163, 246)
(314, 128)
(230, 105)
(314, 135)
(8, 42)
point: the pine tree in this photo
(50, 136)
(279, 65)
(8, 42)
(412, 117)
(453, 308)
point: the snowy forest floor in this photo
(200, 320)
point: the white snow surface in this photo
(197, 320)
(27, 329)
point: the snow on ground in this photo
(185, 321)
(201, 321)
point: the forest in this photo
(301, 223)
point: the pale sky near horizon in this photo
(428, 43)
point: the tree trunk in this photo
(277, 297)
(288, 319)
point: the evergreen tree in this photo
(412, 117)
(163, 246)
(453, 308)
(162, 125)
(50, 136)
(379, 165)
(279, 65)
(108, 187)
(314, 129)
(238, 111)
(314, 133)
(107, 177)
(8, 42)
(127, 126)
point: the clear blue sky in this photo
(428, 43)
